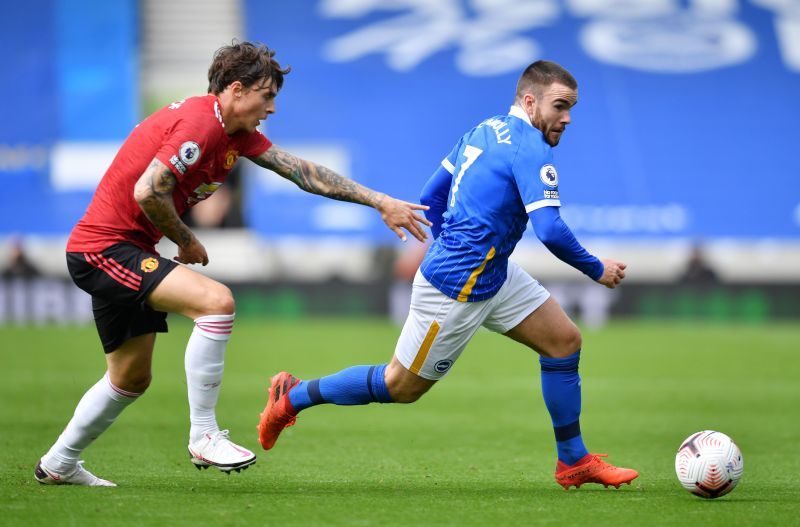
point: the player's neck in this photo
(228, 120)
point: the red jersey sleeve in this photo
(255, 144)
(185, 143)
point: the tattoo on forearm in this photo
(317, 178)
(154, 194)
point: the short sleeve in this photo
(255, 144)
(186, 143)
(536, 178)
(449, 162)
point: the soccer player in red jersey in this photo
(172, 160)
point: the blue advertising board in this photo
(685, 127)
(69, 77)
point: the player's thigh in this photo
(548, 331)
(519, 296)
(191, 294)
(436, 331)
(130, 365)
(526, 312)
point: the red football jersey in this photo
(187, 136)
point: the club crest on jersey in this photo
(549, 176)
(230, 158)
(149, 265)
(189, 152)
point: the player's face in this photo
(255, 103)
(550, 112)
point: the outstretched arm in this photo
(558, 238)
(321, 180)
(153, 193)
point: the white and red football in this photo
(709, 464)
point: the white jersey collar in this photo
(519, 113)
(218, 111)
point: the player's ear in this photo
(236, 88)
(529, 101)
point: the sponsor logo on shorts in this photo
(443, 365)
(149, 265)
(177, 164)
(189, 152)
(548, 175)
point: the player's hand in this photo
(192, 253)
(613, 273)
(399, 215)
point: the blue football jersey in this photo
(502, 169)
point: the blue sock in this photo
(355, 385)
(561, 388)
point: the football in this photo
(709, 464)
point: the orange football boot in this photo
(279, 412)
(592, 469)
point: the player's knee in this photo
(404, 386)
(403, 391)
(219, 301)
(134, 382)
(406, 395)
(570, 342)
(142, 383)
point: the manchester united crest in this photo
(230, 158)
(149, 265)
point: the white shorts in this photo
(438, 327)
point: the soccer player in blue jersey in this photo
(499, 175)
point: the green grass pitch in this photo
(477, 450)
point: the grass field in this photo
(477, 450)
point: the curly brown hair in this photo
(245, 62)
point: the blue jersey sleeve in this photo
(434, 195)
(558, 238)
(536, 177)
(449, 162)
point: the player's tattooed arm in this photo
(317, 179)
(153, 193)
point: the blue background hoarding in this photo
(70, 76)
(685, 125)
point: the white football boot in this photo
(79, 476)
(216, 450)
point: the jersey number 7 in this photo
(471, 153)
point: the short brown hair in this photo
(542, 74)
(245, 62)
